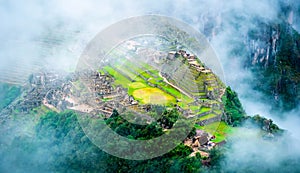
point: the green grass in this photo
(119, 78)
(156, 74)
(151, 95)
(136, 85)
(140, 90)
(185, 99)
(168, 93)
(155, 79)
(146, 75)
(194, 108)
(199, 94)
(183, 105)
(172, 90)
(101, 72)
(218, 111)
(208, 116)
(209, 88)
(148, 72)
(147, 66)
(204, 109)
(138, 68)
(105, 99)
(135, 68)
(127, 72)
(220, 129)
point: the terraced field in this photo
(202, 85)
(144, 85)
(173, 83)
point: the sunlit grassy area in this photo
(146, 75)
(200, 94)
(140, 90)
(134, 86)
(101, 71)
(119, 79)
(194, 108)
(150, 95)
(203, 109)
(220, 129)
(208, 116)
(137, 85)
(127, 77)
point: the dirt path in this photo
(179, 89)
(79, 107)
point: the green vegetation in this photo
(220, 129)
(233, 108)
(8, 93)
(169, 117)
(279, 77)
(194, 108)
(119, 79)
(208, 116)
(101, 72)
(137, 85)
(60, 145)
(265, 124)
(135, 131)
(204, 109)
(153, 96)
(145, 85)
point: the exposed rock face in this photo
(269, 47)
(274, 57)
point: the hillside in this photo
(138, 100)
(169, 80)
(273, 57)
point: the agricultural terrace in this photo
(148, 86)
(144, 84)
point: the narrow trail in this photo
(179, 89)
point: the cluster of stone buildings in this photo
(94, 92)
(191, 58)
(210, 82)
(104, 97)
(48, 88)
(210, 87)
(201, 143)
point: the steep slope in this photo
(274, 58)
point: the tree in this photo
(233, 108)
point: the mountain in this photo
(274, 58)
(150, 104)
(267, 46)
(141, 99)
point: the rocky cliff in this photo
(268, 47)
(274, 58)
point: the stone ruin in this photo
(194, 64)
(105, 97)
(201, 143)
(47, 88)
